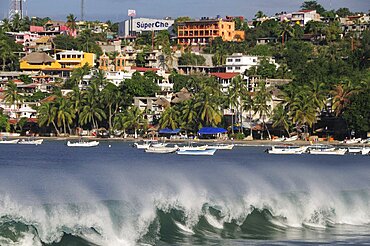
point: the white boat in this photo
(31, 142)
(354, 150)
(161, 150)
(83, 144)
(196, 152)
(365, 151)
(364, 141)
(145, 144)
(326, 150)
(294, 138)
(221, 146)
(278, 139)
(158, 145)
(287, 150)
(202, 147)
(353, 141)
(13, 141)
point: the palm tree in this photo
(208, 109)
(170, 118)
(281, 118)
(12, 97)
(109, 98)
(6, 26)
(6, 52)
(76, 98)
(189, 116)
(79, 73)
(317, 94)
(302, 111)
(99, 78)
(341, 96)
(64, 114)
(261, 106)
(248, 105)
(135, 119)
(71, 23)
(46, 115)
(286, 30)
(16, 23)
(91, 112)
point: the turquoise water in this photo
(54, 195)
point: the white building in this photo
(303, 16)
(238, 63)
(139, 25)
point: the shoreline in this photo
(256, 142)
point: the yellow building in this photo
(68, 59)
(203, 31)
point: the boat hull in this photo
(31, 142)
(196, 152)
(161, 150)
(328, 152)
(221, 147)
(15, 141)
(83, 144)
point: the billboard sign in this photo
(131, 12)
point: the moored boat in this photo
(196, 152)
(354, 150)
(294, 138)
(161, 150)
(326, 150)
(31, 141)
(221, 146)
(82, 144)
(365, 151)
(287, 150)
(5, 141)
(202, 147)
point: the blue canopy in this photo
(169, 131)
(211, 130)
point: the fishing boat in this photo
(364, 141)
(294, 138)
(157, 145)
(162, 150)
(278, 139)
(5, 141)
(326, 150)
(145, 144)
(221, 146)
(31, 141)
(365, 151)
(202, 147)
(196, 152)
(354, 150)
(287, 150)
(353, 141)
(82, 144)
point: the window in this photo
(237, 60)
(229, 68)
(229, 60)
(237, 68)
(254, 60)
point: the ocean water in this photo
(54, 195)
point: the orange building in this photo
(203, 31)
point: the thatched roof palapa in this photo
(37, 58)
(181, 96)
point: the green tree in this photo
(343, 12)
(135, 119)
(261, 106)
(46, 115)
(71, 23)
(64, 114)
(12, 96)
(342, 93)
(313, 5)
(281, 118)
(65, 42)
(91, 112)
(170, 118)
(191, 59)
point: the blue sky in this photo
(116, 10)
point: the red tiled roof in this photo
(225, 75)
(305, 10)
(144, 69)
